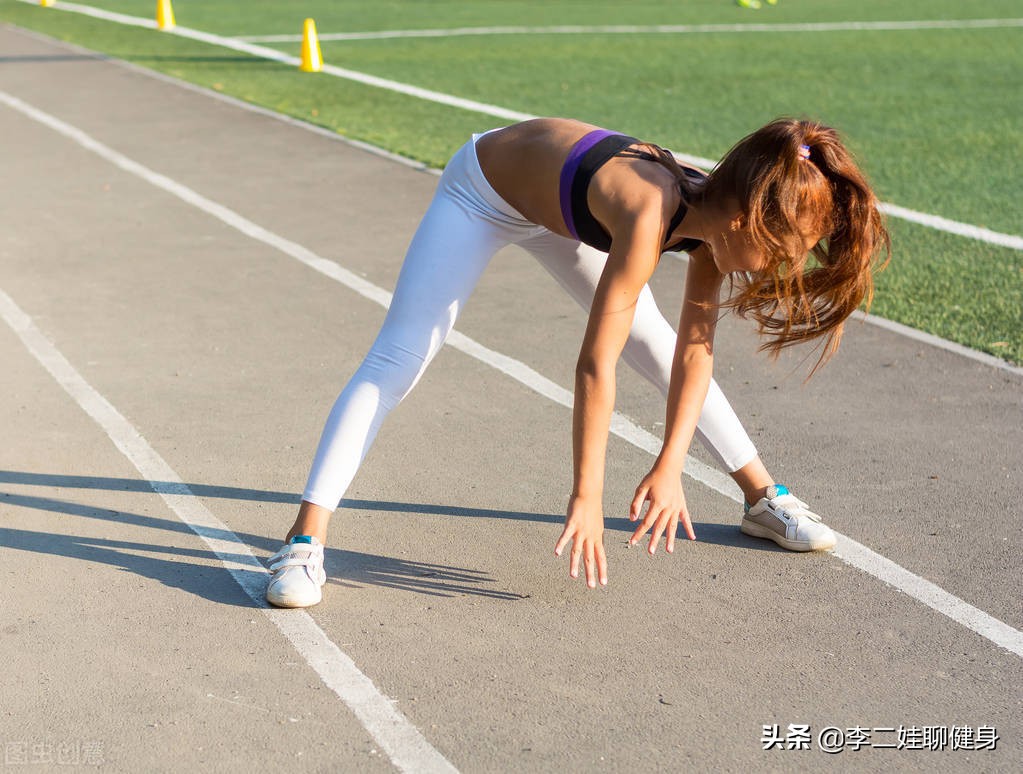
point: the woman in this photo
(598, 209)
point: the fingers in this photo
(662, 522)
(575, 555)
(589, 560)
(643, 527)
(566, 535)
(591, 555)
(569, 535)
(665, 526)
(687, 524)
(653, 513)
(595, 562)
(637, 502)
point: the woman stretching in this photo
(598, 209)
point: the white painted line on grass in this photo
(651, 29)
(236, 44)
(889, 325)
(262, 52)
(849, 551)
(954, 227)
(921, 336)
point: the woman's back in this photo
(523, 163)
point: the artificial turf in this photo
(933, 115)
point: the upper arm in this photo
(635, 250)
(700, 308)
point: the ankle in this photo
(753, 479)
(298, 533)
(312, 520)
(754, 495)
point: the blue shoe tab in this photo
(302, 539)
(774, 490)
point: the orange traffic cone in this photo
(312, 59)
(164, 15)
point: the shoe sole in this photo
(292, 602)
(755, 530)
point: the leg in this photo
(776, 514)
(444, 263)
(649, 350)
(463, 228)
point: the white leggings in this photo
(467, 223)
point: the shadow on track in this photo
(345, 567)
(707, 532)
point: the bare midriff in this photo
(523, 164)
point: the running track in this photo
(127, 634)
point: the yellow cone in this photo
(164, 15)
(312, 59)
(46, 3)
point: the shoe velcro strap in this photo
(293, 560)
(793, 506)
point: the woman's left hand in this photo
(663, 490)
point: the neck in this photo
(701, 220)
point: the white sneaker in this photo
(785, 519)
(296, 574)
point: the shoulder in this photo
(634, 194)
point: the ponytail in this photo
(792, 178)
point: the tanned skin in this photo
(634, 201)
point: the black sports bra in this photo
(584, 159)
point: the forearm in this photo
(591, 422)
(687, 391)
(693, 362)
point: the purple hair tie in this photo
(804, 152)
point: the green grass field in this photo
(934, 115)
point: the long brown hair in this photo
(794, 177)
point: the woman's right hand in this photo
(584, 529)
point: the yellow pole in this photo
(312, 59)
(164, 15)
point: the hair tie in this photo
(803, 152)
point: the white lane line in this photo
(848, 550)
(404, 745)
(652, 29)
(400, 740)
(987, 626)
(940, 343)
(930, 221)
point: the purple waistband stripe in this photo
(568, 171)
